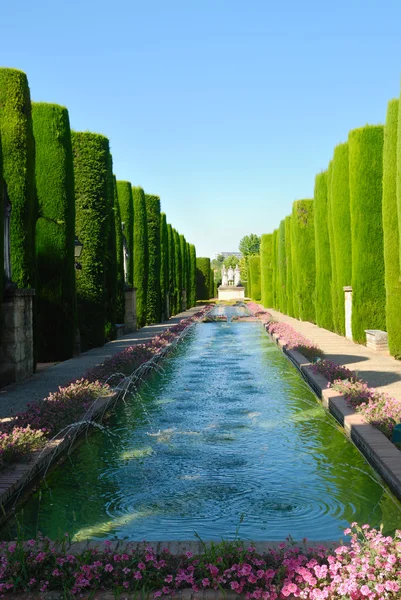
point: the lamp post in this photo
(77, 253)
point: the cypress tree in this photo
(2, 200)
(365, 179)
(192, 287)
(171, 269)
(341, 233)
(202, 278)
(188, 274)
(304, 261)
(288, 256)
(126, 206)
(249, 280)
(55, 231)
(391, 230)
(282, 267)
(91, 158)
(183, 248)
(140, 254)
(164, 265)
(324, 313)
(295, 300)
(330, 209)
(211, 285)
(254, 270)
(153, 310)
(275, 268)
(178, 272)
(266, 269)
(120, 281)
(18, 150)
(110, 265)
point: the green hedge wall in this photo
(365, 178)
(183, 250)
(294, 268)
(391, 230)
(2, 200)
(254, 271)
(91, 157)
(282, 267)
(333, 291)
(288, 256)
(192, 287)
(120, 282)
(303, 228)
(202, 278)
(211, 284)
(153, 309)
(341, 230)
(178, 272)
(249, 281)
(55, 232)
(18, 150)
(188, 273)
(140, 254)
(275, 268)
(324, 312)
(110, 264)
(126, 205)
(266, 269)
(164, 265)
(171, 269)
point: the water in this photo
(235, 435)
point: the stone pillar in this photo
(348, 311)
(16, 360)
(130, 310)
(184, 300)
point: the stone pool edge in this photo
(382, 455)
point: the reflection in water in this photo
(232, 430)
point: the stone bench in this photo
(377, 340)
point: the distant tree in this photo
(215, 264)
(249, 244)
(231, 261)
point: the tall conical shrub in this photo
(153, 309)
(126, 205)
(391, 228)
(202, 278)
(110, 265)
(303, 228)
(266, 269)
(275, 269)
(171, 269)
(164, 266)
(341, 243)
(288, 257)
(183, 248)
(282, 267)
(254, 270)
(178, 272)
(2, 200)
(324, 313)
(140, 254)
(91, 157)
(120, 274)
(188, 275)
(55, 232)
(365, 178)
(192, 286)
(18, 150)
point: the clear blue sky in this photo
(226, 109)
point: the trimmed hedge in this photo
(341, 243)
(2, 200)
(202, 278)
(304, 261)
(365, 178)
(18, 150)
(266, 269)
(110, 265)
(274, 268)
(140, 254)
(153, 308)
(288, 256)
(55, 232)
(211, 284)
(183, 250)
(91, 156)
(391, 231)
(333, 291)
(126, 205)
(324, 312)
(120, 282)
(164, 266)
(178, 272)
(171, 269)
(192, 287)
(188, 273)
(254, 271)
(282, 267)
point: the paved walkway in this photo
(16, 396)
(378, 370)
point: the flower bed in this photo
(369, 569)
(32, 428)
(291, 338)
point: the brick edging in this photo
(378, 450)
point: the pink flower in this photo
(109, 568)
